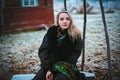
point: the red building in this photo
(19, 15)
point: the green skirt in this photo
(67, 69)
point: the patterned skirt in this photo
(67, 69)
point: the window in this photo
(29, 3)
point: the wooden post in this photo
(107, 41)
(84, 31)
(65, 5)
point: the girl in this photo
(59, 51)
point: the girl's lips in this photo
(64, 25)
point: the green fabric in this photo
(60, 36)
(67, 69)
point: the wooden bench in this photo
(89, 76)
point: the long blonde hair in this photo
(73, 31)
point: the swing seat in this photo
(23, 77)
(88, 75)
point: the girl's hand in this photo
(49, 75)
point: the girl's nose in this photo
(65, 20)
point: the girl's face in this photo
(64, 21)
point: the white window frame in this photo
(34, 4)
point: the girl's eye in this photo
(61, 18)
(67, 18)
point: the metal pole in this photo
(65, 5)
(107, 41)
(84, 31)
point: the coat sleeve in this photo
(76, 52)
(44, 54)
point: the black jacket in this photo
(49, 53)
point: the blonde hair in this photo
(73, 31)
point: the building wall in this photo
(12, 3)
(18, 18)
